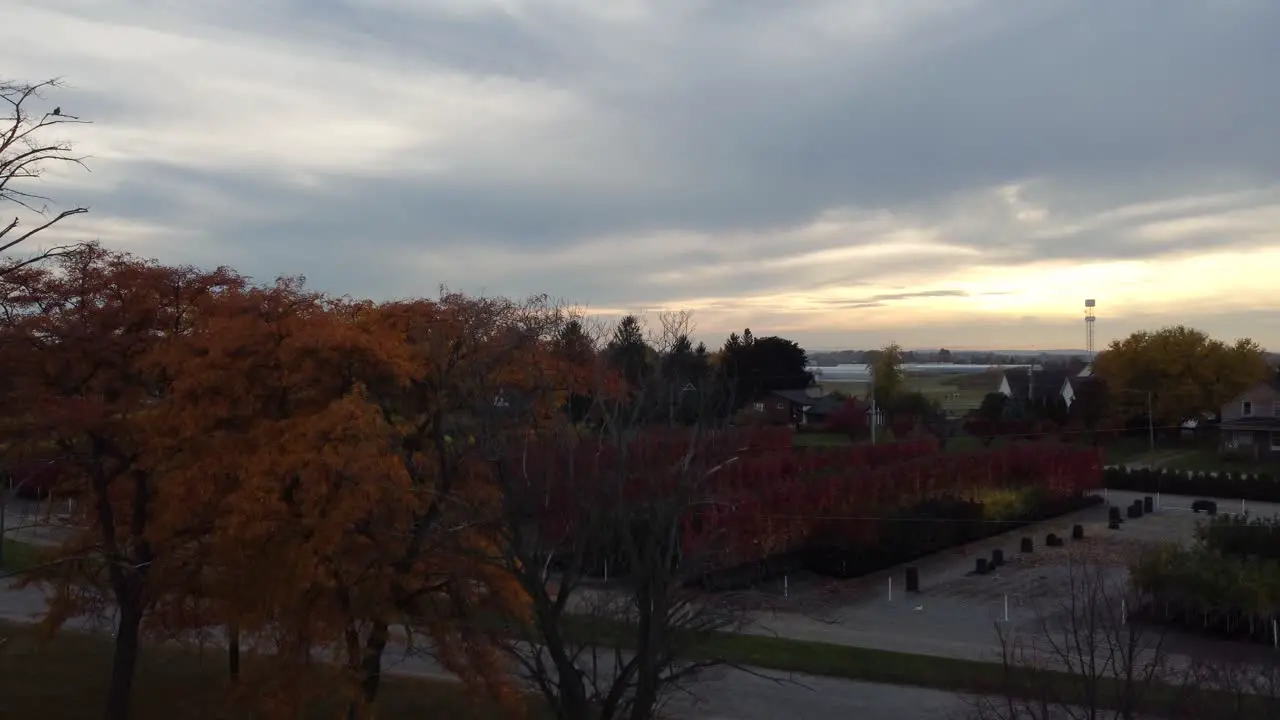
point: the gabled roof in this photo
(798, 397)
(824, 405)
(1046, 381)
(1077, 381)
(1273, 383)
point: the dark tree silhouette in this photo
(627, 351)
(761, 365)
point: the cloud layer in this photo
(844, 171)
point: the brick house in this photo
(794, 407)
(1251, 423)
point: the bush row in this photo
(1203, 591)
(1259, 488)
(912, 532)
(1242, 536)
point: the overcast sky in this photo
(842, 172)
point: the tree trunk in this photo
(124, 662)
(233, 651)
(371, 664)
(4, 508)
(370, 669)
(646, 689)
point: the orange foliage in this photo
(308, 471)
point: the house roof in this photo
(818, 405)
(1046, 381)
(824, 405)
(1077, 381)
(798, 397)
(1273, 383)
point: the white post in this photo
(786, 586)
(890, 588)
(1275, 634)
(1006, 608)
(1241, 506)
(875, 415)
(606, 570)
(1124, 612)
(1157, 501)
(1106, 495)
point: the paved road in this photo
(957, 616)
(724, 694)
(945, 628)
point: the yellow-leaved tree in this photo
(1182, 372)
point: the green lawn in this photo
(925, 671)
(18, 556)
(1126, 450)
(1208, 460)
(958, 392)
(66, 679)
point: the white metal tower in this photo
(1089, 319)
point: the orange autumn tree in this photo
(92, 339)
(467, 371)
(341, 438)
(261, 363)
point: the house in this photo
(1072, 386)
(1021, 384)
(794, 407)
(1251, 423)
(1024, 383)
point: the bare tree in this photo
(600, 529)
(1240, 685)
(1082, 656)
(27, 150)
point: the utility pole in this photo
(1151, 425)
(875, 416)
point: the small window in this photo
(1244, 438)
(1246, 409)
(759, 407)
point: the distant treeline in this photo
(971, 357)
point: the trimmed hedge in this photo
(1242, 536)
(913, 532)
(1259, 488)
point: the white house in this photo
(1036, 382)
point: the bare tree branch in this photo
(594, 532)
(1083, 657)
(26, 152)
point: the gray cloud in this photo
(692, 150)
(888, 298)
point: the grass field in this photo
(956, 392)
(17, 556)
(66, 677)
(1208, 460)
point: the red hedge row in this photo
(777, 504)
(757, 496)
